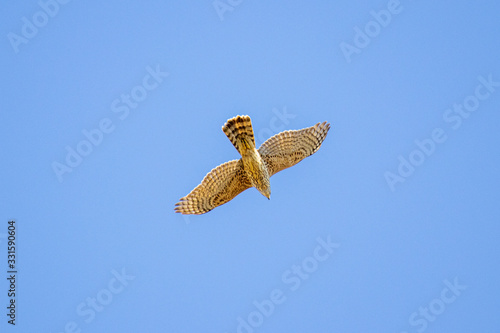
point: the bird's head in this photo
(265, 191)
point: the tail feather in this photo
(240, 132)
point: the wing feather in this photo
(219, 186)
(288, 148)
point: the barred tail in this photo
(240, 133)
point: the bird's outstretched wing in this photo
(288, 148)
(219, 186)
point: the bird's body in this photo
(256, 171)
(239, 130)
(255, 167)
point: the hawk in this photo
(255, 166)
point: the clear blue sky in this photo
(113, 111)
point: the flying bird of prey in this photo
(255, 166)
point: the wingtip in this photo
(324, 125)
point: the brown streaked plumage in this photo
(255, 166)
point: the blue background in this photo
(399, 247)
